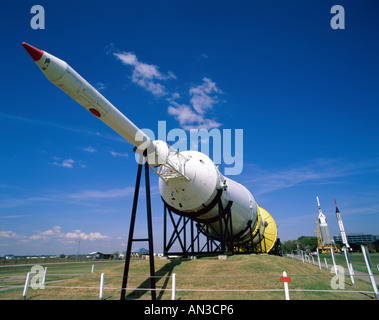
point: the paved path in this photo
(363, 276)
(357, 274)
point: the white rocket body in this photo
(324, 229)
(197, 193)
(69, 81)
(189, 182)
(342, 229)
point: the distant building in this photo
(143, 251)
(101, 256)
(356, 239)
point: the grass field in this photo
(238, 273)
(356, 259)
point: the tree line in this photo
(308, 243)
(304, 243)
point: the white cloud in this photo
(47, 234)
(320, 171)
(100, 86)
(56, 233)
(90, 149)
(145, 75)
(84, 197)
(105, 194)
(78, 235)
(7, 234)
(117, 154)
(100, 194)
(203, 98)
(15, 216)
(69, 163)
(39, 122)
(65, 163)
(189, 119)
(202, 56)
(183, 113)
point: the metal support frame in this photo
(189, 240)
(181, 234)
(149, 229)
(249, 246)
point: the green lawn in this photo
(196, 279)
(356, 259)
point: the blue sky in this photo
(305, 95)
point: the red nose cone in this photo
(35, 53)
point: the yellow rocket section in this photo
(262, 243)
(270, 234)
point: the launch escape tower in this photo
(324, 241)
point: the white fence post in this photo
(93, 267)
(365, 254)
(334, 261)
(25, 292)
(101, 294)
(349, 266)
(318, 257)
(326, 263)
(44, 276)
(286, 279)
(351, 271)
(173, 286)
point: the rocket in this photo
(68, 80)
(340, 224)
(324, 230)
(190, 183)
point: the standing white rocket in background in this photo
(342, 229)
(324, 230)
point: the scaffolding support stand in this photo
(149, 229)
